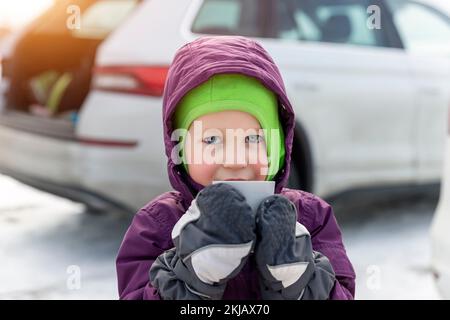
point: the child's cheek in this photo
(261, 167)
(202, 173)
(259, 172)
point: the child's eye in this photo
(253, 138)
(212, 140)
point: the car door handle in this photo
(429, 91)
(306, 86)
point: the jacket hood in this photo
(196, 62)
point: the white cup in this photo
(253, 191)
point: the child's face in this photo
(233, 148)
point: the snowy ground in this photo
(51, 248)
(391, 253)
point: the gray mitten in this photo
(212, 242)
(288, 267)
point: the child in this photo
(203, 241)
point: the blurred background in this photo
(81, 147)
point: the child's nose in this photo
(235, 160)
(234, 165)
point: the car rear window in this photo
(229, 17)
(343, 21)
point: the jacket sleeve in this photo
(326, 238)
(147, 237)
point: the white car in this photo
(440, 235)
(370, 101)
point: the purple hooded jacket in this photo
(149, 234)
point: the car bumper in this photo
(130, 175)
(440, 235)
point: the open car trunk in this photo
(41, 54)
(49, 70)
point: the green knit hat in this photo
(237, 92)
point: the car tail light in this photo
(145, 80)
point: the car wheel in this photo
(294, 180)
